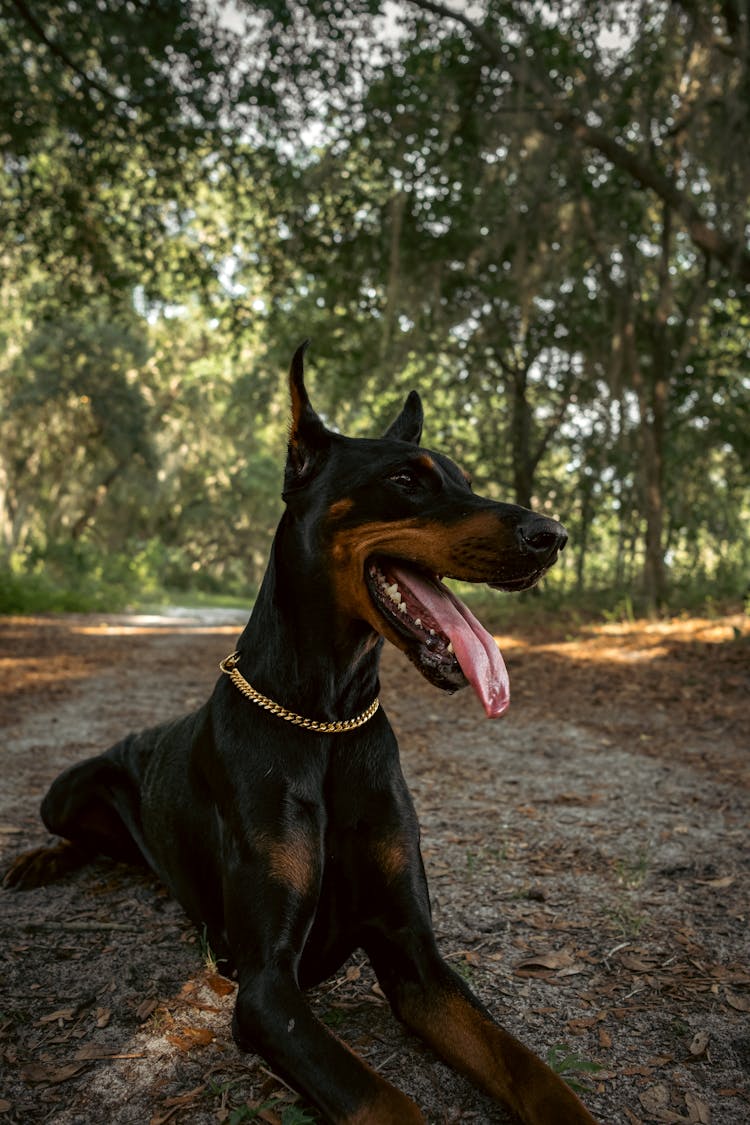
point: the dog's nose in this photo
(541, 537)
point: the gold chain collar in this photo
(229, 666)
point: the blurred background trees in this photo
(536, 215)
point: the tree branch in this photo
(569, 385)
(62, 56)
(734, 256)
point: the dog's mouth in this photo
(523, 582)
(438, 632)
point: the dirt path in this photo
(587, 856)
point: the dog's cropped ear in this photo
(408, 425)
(308, 437)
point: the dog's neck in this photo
(297, 649)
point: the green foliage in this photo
(78, 577)
(568, 1064)
(33, 593)
(536, 216)
(108, 119)
(293, 1115)
(290, 1114)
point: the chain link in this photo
(228, 666)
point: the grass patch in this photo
(632, 873)
(43, 590)
(200, 599)
(568, 1065)
(42, 593)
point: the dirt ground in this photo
(587, 856)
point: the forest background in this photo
(537, 214)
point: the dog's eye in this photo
(404, 478)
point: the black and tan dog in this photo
(277, 814)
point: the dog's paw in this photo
(40, 866)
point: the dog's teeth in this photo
(402, 606)
(432, 632)
(450, 647)
(418, 621)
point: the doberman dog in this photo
(277, 814)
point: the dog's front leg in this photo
(273, 1018)
(271, 889)
(436, 1004)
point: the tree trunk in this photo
(651, 385)
(581, 547)
(396, 209)
(520, 437)
(652, 431)
(95, 501)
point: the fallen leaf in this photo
(739, 1001)
(220, 985)
(103, 1016)
(201, 1006)
(62, 1014)
(4, 1106)
(655, 1101)
(698, 1043)
(544, 963)
(93, 1051)
(605, 1039)
(655, 1098)
(36, 1073)
(188, 1037)
(146, 1009)
(636, 964)
(698, 1110)
(162, 1118)
(184, 1099)
(719, 884)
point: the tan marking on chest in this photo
(391, 857)
(293, 861)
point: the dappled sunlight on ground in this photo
(16, 671)
(148, 628)
(47, 655)
(681, 687)
(628, 641)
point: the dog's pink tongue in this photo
(476, 651)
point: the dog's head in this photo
(392, 520)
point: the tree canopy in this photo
(538, 215)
